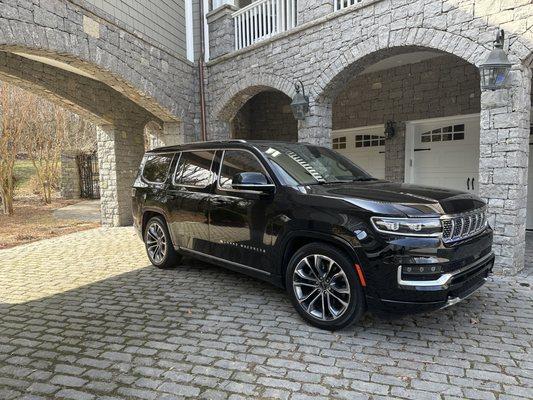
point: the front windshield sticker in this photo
(306, 166)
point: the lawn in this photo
(24, 171)
(33, 220)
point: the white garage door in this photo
(446, 153)
(364, 146)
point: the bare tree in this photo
(14, 108)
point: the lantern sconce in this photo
(300, 102)
(390, 129)
(495, 70)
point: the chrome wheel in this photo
(156, 242)
(321, 287)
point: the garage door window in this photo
(369, 141)
(339, 143)
(444, 134)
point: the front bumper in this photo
(454, 287)
(451, 272)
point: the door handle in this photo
(473, 184)
(468, 183)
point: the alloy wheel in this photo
(321, 287)
(156, 242)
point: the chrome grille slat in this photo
(463, 226)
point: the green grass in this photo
(24, 170)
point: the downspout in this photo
(201, 67)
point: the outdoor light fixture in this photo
(390, 129)
(300, 102)
(495, 71)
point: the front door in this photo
(446, 153)
(240, 219)
(189, 195)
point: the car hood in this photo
(388, 197)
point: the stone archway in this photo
(504, 114)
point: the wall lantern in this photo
(300, 102)
(495, 70)
(390, 129)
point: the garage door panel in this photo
(363, 146)
(447, 153)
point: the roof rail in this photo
(220, 141)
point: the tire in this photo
(334, 288)
(158, 243)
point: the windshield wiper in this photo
(363, 179)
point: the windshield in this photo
(304, 164)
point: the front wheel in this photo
(324, 287)
(159, 247)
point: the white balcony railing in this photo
(342, 4)
(262, 19)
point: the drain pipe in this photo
(201, 70)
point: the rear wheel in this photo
(324, 287)
(159, 247)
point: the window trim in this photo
(175, 184)
(173, 153)
(220, 188)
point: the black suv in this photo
(305, 218)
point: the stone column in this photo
(221, 30)
(120, 150)
(503, 166)
(172, 134)
(309, 10)
(70, 177)
(316, 128)
(395, 155)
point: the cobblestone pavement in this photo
(83, 316)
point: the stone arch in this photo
(355, 58)
(246, 88)
(99, 46)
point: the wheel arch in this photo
(296, 240)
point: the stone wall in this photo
(327, 52)
(70, 177)
(438, 87)
(266, 116)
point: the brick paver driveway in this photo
(84, 317)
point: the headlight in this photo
(408, 226)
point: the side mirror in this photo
(254, 181)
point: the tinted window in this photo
(302, 164)
(194, 168)
(234, 162)
(156, 167)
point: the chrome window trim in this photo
(155, 155)
(175, 184)
(220, 188)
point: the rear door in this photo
(189, 195)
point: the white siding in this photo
(162, 21)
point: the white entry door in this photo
(364, 146)
(446, 153)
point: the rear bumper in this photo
(451, 288)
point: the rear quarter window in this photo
(156, 167)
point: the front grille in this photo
(463, 226)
